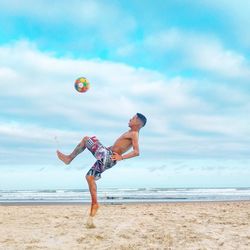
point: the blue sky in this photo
(184, 64)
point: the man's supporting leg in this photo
(79, 149)
(93, 193)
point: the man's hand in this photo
(116, 157)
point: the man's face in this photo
(133, 121)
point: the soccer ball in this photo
(81, 84)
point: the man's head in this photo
(137, 121)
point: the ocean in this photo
(125, 195)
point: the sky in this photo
(184, 64)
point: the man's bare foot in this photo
(94, 208)
(65, 158)
(90, 223)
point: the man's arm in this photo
(135, 152)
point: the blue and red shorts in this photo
(103, 156)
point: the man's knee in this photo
(90, 178)
(85, 138)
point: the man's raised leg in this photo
(93, 193)
(79, 149)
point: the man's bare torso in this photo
(123, 143)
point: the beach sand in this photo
(204, 225)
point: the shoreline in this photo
(28, 203)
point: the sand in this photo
(205, 225)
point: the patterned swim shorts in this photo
(103, 156)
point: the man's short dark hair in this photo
(142, 118)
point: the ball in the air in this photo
(81, 84)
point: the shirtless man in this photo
(107, 157)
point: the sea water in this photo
(125, 195)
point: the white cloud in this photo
(32, 133)
(204, 52)
(38, 87)
(47, 82)
(219, 124)
(214, 58)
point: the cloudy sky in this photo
(184, 64)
